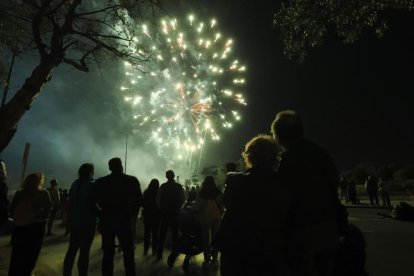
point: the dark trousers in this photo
(167, 220)
(372, 197)
(386, 199)
(151, 231)
(123, 231)
(52, 217)
(26, 244)
(80, 240)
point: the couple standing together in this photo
(282, 215)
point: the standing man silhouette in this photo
(316, 215)
(119, 197)
(170, 198)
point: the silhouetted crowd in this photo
(280, 216)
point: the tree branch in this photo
(99, 11)
(102, 35)
(58, 6)
(82, 62)
(36, 29)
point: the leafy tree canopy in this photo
(73, 32)
(304, 24)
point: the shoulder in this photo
(131, 178)
(74, 183)
(102, 179)
(232, 176)
(234, 179)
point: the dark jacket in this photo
(256, 218)
(118, 196)
(149, 203)
(81, 216)
(170, 197)
(311, 175)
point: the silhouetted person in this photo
(252, 235)
(384, 189)
(29, 209)
(352, 192)
(371, 187)
(64, 207)
(316, 215)
(151, 215)
(192, 194)
(170, 198)
(64, 203)
(81, 221)
(55, 197)
(209, 205)
(119, 197)
(343, 187)
(4, 202)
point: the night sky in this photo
(356, 100)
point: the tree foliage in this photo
(304, 24)
(405, 173)
(74, 32)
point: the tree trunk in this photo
(13, 111)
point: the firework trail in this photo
(189, 90)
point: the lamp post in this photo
(126, 153)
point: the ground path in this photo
(390, 250)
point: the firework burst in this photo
(189, 90)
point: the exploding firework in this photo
(189, 90)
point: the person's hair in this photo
(169, 174)
(261, 151)
(231, 167)
(53, 183)
(85, 170)
(287, 126)
(209, 189)
(115, 165)
(154, 185)
(33, 182)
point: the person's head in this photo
(261, 151)
(33, 182)
(169, 175)
(209, 189)
(53, 183)
(86, 171)
(115, 165)
(231, 167)
(287, 127)
(154, 185)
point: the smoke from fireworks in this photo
(189, 90)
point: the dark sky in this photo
(355, 100)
